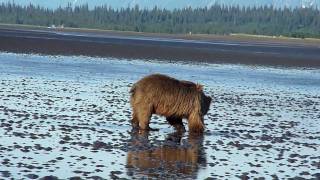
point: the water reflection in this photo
(174, 157)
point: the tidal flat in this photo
(67, 117)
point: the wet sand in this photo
(69, 117)
(128, 45)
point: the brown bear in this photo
(169, 97)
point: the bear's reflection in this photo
(173, 158)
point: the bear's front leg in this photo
(195, 123)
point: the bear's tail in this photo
(133, 90)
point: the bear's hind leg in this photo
(176, 123)
(144, 114)
(134, 120)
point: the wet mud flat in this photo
(69, 117)
(223, 50)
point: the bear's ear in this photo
(199, 87)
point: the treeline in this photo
(299, 22)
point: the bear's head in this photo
(205, 103)
(205, 100)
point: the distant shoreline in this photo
(234, 49)
(238, 37)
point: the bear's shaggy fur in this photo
(169, 97)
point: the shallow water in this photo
(69, 116)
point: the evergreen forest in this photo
(298, 22)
